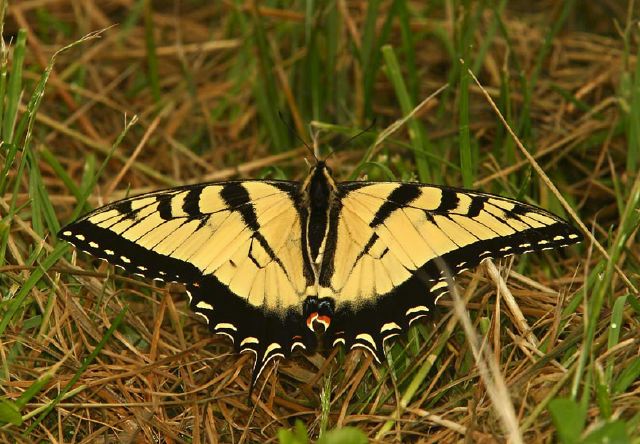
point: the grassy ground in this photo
(91, 355)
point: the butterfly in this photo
(281, 265)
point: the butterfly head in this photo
(320, 185)
(321, 169)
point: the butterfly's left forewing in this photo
(390, 241)
(236, 246)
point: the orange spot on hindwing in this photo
(318, 323)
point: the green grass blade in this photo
(633, 122)
(9, 412)
(266, 89)
(36, 209)
(4, 63)
(569, 419)
(134, 12)
(12, 209)
(369, 34)
(92, 179)
(370, 69)
(417, 134)
(313, 63)
(384, 168)
(558, 23)
(14, 304)
(332, 38)
(36, 387)
(40, 195)
(489, 35)
(346, 435)
(628, 376)
(408, 49)
(60, 171)
(152, 55)
(14, 88)
(628, 225)
(634, 303)
(296, 436)
(466, 165)
(614, 332)
(610, 432)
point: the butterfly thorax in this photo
(318, 196)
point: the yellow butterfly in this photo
(275, 265)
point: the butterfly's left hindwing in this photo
(388, 239)
(237, 246)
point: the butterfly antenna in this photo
(293, 131)
(349, 140)
(316, 146)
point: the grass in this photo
(89, 353)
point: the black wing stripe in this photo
(448, 201)
(358, 215)
(399, 197)
(328, 259)
(164, 206)
(367, 247)
(237, 197)
(365, 250)
(191, 205)
(477, 205)
(125, 208)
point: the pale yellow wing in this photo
(236, 245)
(389, 238)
